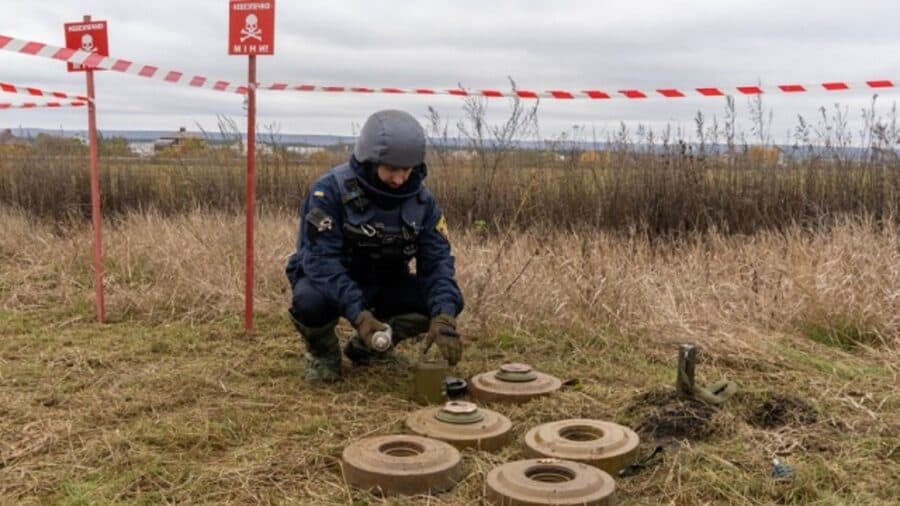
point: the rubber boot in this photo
(403, 327)
(323, 352)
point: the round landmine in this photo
(463, 425)
(549, 481)
(513, 383)
(606, 445)
(401, 464)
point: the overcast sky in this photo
(542, 45)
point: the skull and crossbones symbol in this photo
(251, 29)
(87, 43)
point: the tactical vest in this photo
(386, 237)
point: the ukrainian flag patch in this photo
(441, 227)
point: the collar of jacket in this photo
(411, 188)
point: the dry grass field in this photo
(169, 402)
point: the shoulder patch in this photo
(441, 227)
(319, 193)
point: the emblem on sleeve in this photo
(441, 227)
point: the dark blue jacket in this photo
(325, 257)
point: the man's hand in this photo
(366, 324)
(443, 332)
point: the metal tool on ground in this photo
(513, 382)
(428, 381)
(401, 465)
(463, 425)
(716, 393)
(651, 459)
(538, 482)
(687, 363)
(605, 445)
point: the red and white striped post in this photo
(91, 37)
(251, 31)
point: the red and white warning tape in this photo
(34, 105)
(176, 77)
(115, 64)
(37, 92)
(596, 94)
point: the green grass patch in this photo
(142, 413)
(846, 368)
(841, 332)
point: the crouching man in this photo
(361, 224)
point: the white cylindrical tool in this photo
(382, 340)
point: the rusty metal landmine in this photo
(538, 482)
(606, 445)
(402, 465)
(463, 425)
(513, 383)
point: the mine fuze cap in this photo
(393, 138)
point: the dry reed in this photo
(171, 403)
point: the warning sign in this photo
(251, 27)
(88, 36)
